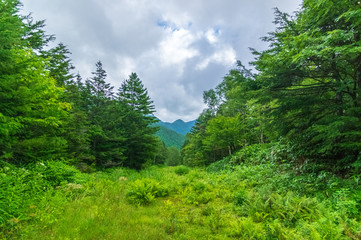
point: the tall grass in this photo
(249, 201)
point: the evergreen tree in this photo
(32, 114)
(77, 130)
(133, 92)
(105, 116)
(97, 85)
(312, 71)
(59, 64)
(141, 144)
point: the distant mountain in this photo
(170, 137)
(179, 126)
(173, 134)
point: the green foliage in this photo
(234, 119)
(144, 191)
(33, 113)
(25, 191)
(161, 153)
(141, 144)
(56, 173)
(173, 157)
(31, 126)
(306, 92)
(252, 201)
(59, 64)
(312, 71)
(223, 133)
(221, 165)
(170, 137)
(197, 193)
(182, 170)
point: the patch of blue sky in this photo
(168, 25)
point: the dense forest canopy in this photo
(306, 92)
(47, 113)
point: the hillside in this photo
(170, 137)
(179, 126)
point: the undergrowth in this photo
(236, 198)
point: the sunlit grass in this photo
(105, 214)
(251, 202)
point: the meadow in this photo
(251, 200)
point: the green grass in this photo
(263, 201)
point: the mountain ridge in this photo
(174, 133)
(179, 126)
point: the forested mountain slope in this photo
(170, 137)
(179, 126)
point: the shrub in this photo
(25, 189)
(221, 165)
(181, 170)
(240, 198)
(55, 172)
(245, 228)
(144, 191)
(198, 192)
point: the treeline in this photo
(306, 93)
(47, 113)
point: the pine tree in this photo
(59, 64)
(141, 144)
(105, 114)
(133, 92)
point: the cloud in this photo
(178, 48)
(175, 48)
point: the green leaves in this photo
(144, 191)
(234, 119)
(31, 110)
(141, 144)
(312, 70)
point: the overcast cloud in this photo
(178, 48)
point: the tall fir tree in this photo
(141, 144)
(105, 116)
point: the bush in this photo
(181, 170)
(221, 165)
(55, 173)
(198, 192)
(25, 189)
(144, 191)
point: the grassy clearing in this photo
(263, 201)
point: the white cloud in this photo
(178, 48)
(126, 66)
(211, 36)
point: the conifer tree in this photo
(32, 114)
(133, 92)
(312, 71)
(105, 114)
(141, 144)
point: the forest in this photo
(275, 155)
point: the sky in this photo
(178, 48)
